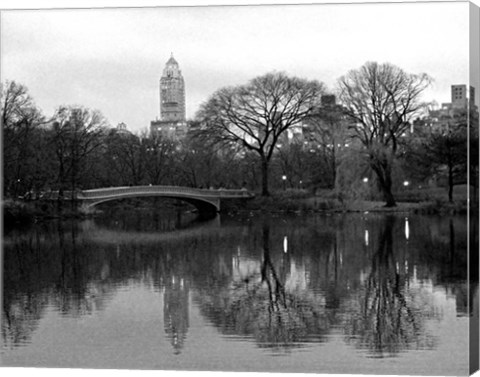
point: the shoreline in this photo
(317, 204)
(18, 213)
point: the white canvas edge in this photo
(47, 4)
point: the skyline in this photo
(115, 64)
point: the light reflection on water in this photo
(232, 292)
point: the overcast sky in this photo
(112, 59)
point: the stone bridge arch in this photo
(206, 201)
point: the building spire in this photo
(172, 59)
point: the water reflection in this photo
(407, 229)
(277, 284)
(387, 315)
(175, 312)
(266, 301)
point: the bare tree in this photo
(159, 158)
(77, 133)
(255, 115)
(199, 164)
(21, 138)
(381, 99)
(16, 104)
(124, 155)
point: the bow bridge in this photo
(205, 200)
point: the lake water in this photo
(347, 293)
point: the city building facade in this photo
(172, 122)
(122, 128)
(460, 109)
(327, 121)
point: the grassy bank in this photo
(298, 201)
(18, 213)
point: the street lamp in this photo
(284, 179)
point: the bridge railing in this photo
(119, 191)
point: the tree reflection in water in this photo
(325, 285)
(258, 305)
(388, 315)
(50, 269)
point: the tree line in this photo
(275, 132)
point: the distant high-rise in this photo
(172, 92)
(459, 96)
(172, 102)
(462, 106)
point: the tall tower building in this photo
(172, 123)
(172, 92)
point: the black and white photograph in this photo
(241, 187)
